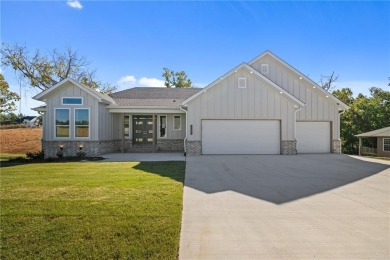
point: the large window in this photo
(81, 123)
(176, 122)
(72, 101)
(386, 144)
(62, 122)
(163, 126)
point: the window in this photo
(241, 82)
(72, 101)
(176, 122)
(386, 144)
(62, 122)
(163, 126)
(126, 126)
(81, 122)
(264, 69)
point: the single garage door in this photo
(313, 137)
(240, 137)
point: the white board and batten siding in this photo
(317, 106)
(55, 101)
(240, 136)
(258, 101)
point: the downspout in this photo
(181, 107)
(295, 128)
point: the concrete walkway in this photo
(143, 157)
(285, 207)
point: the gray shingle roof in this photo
(142, 96)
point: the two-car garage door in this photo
(240, 136)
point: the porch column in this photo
(121, 132)
(154, 132)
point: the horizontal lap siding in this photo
(318, 107)
(258, 100)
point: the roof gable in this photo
(48, 92)
(254, 72)
(299, 74)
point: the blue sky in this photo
(129, 42)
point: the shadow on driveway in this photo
(275, 178)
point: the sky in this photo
(130, 42)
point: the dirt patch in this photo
(20, 140)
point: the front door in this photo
(143, 130)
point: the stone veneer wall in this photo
(336, 146)
(71, 148)
(167, 145)
(288, 147)
(194, 148)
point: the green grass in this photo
(91, 210)
(4, 157)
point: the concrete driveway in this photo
(286, 207)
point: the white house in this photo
(262, 107)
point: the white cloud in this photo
(151, 82)
(199, 85)
(74, 4)
(130, 79)
(1, 70)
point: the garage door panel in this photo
(313, 137)
(240, 137)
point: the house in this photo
(383, 142)
(262, 107)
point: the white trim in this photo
(82, 101)
(384, 144)
(238, 82)
(130, 125)
(89, 123)
(55, 124)
(174, 123)
(254, 72)
(312, 83)
(166, 127)
(136, 110)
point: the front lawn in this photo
(91, 210)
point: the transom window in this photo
(62, 122)
(176, 122)
(72, 101)
(386, 144)
(81, 123)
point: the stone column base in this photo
(193, 148)
(288, 147)
(336, 146)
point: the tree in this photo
(327, 81)
(7, 97)
(365, 114)
(43, 71)
(176, 79)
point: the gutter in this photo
(181, 107)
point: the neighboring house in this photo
(261, 107)
(383, 143)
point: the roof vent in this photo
(264, 69)
(241, 82)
